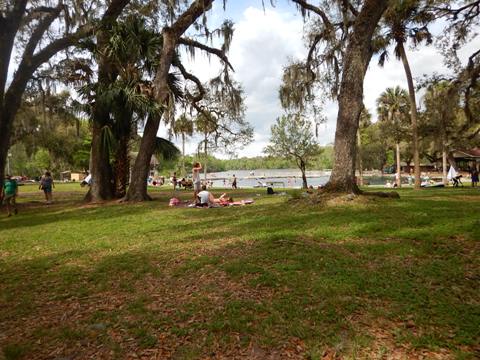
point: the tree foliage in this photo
(292, 138)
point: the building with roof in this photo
(466, 159)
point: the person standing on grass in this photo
(46, 184)
(9, 193)
(234, 182)
(196, 179)
(474, 177)
(174, 181)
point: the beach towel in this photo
(241, 202)
(174, 202)
(223, 204)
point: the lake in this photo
(281, 178)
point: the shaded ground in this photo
(366, 279)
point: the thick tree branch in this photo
(9, 25)
(208, 49)
(306, 6)
(114, 10)
(448, 11)
(189, 16)
(40, 30)
(311, 51)
(191, 77)
(349, 6)
(29, 65)
(36, 12)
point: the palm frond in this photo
(166, 149)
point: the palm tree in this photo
(205, 123)
(392, 109)
(184, 127)
(406, 19)
(441, 106)
(131, 48)
(364, 122)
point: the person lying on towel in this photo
(205, 198)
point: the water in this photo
(281, 178)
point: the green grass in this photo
(362, 279)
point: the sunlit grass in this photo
(357, 279)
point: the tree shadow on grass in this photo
(76, 211)
(322, 275)
(276, 288)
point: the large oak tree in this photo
(340, 42)
(38, 31)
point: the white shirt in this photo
(203, 195)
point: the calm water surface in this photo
(285, 178)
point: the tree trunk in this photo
(413, 115)
(451, 160)
(350, 99)
(5, 128)
(205, 149)
(137, 190)
(444, 165)
(101, 187)
(304, 177)
(399, 167)
(31, 60)
(103, 184)
(184, 172)
(122, 167)
(8, 110)
(360, 163)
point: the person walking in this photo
(9, 194)
(234, 182)
(46, 184)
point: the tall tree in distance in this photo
(292, 138)
(365, 121)
(206, 124)
(393, 110)
(441, 109)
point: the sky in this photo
(264, 41)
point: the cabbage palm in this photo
(206, 123)
(184, 127)
(405, 19)
(132, 51)
(393, 110)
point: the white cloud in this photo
(425, 60)
(263, 43)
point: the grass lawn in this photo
(365, 279)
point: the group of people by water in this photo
(9, 192)
(202, 197)
(427, 181)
